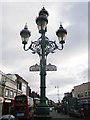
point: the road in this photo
(61, 116)
(58, 115)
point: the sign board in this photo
(49, 67)
(35, 67)
(8, 101)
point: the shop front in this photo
(8, 106)
(1, 104)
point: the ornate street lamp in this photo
(25, 34)
(42, 20)
(61, 34)
(43, 46)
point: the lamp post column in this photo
(42, 109)
(42, 71)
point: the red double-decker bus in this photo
(24, 107)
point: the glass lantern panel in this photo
(25, 39)
(62, 37)
(42, 25)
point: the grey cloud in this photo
(15, 60)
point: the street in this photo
(58, 115)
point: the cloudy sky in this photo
(71, 62)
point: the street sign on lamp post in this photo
(49, 67)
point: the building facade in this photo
(82, 92)
(22, 85)
(10, 86)
(78, 98)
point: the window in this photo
(11, 93)
(7, 93)
(20, 86)
(86, 93)
(14, 94)
(78, 95)
(30, 109)
(21, 99)
(24, 88)
(81, 94)
(20, 108)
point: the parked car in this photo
(7, 117)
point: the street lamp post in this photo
(58, 93)
(43, 46)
